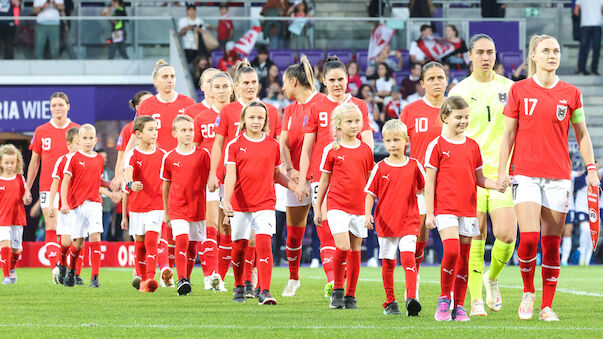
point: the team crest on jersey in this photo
(561, 112)
(305, 120)
(502, 97)
(217, 121)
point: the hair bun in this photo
(333, 58)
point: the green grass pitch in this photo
(34, 307)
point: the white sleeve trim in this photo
(56, 168)
(370, 180)
(66, 169)
(323, 159)
(226, 151)
(428, 152)
(127, 158)
(163, 167)
(421, 169)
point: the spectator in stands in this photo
(409, 84)
(499, 69)
(230, 59)
(590, 33)
(384, 83)
(384, 56)
(394, 104)
(365, 92)
(298, 29)
(417, 95)
(66, 45)
(422, 9)
(200, 64)
(47, 27)
(415, 53)
(262, 62)
(492, 9)
(319, 77)
(275, 97)
(8, 27)
(354, 80)
(455, 59)
(225, 26)
(518, 73)
(273, 76)
(274, 29)
(189, 29)
(118, 32)
(452, 80)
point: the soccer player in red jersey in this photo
(454, 168)
(346, 164)
(65, 221)
(220, 88)
(143, 210)
(249, 198)
(538, 115)
(395, 182)
(423, 125)
(124, 139)
(47, 145)
(184, 173)
(12, 211)
(80, 192)
(317, 135)
(227, 128)
(298, 85)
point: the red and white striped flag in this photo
(435, 48)
(247, 41)
(380, 38)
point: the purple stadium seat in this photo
(405, 60)
(314, 55)
(505, 33)
(458, 75)
(252, 55)
(216, 56)
(362, 59)
(399, 76)
(282, 58)
(344, 55)
(511, 60)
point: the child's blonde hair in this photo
(181, 117)
(254, 103)
(87, 127)
(337, 118)
(395, 126)
(534, 41)
(452, 103)
(10, 149)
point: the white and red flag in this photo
(247, 41)
(380, 38)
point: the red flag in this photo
(247, 41)
(435, 48)
(380, 38)
(593, 214)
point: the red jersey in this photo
(319, 123)
(187, 173)
(396, 186)
(393, 109)
(124, 137)
(59, 169)
(349, 168)
(543, 118)
(50, 142)
(195, 109)
(294, 118)
(146, 169)
(205, 127)
(225, 26)
(12, 210)
(423, 123)
(255, 161)
(85, 171)
(455, 184)
(165, 113)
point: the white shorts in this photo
(45, 200)
(212, 196)
(291, 199)
(421, 204)
(340, 222)
(14, 234)
(88, 219)
(140, 223)
(389, 247)
(553, 194)
(467, 225)
(194, 229)
(64, 222)
(262, 222)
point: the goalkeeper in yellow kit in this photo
(486, 94)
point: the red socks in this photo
(162, 249)
(550, 268)
(5, 258)
(339, 263)
(419, 255)
(74, 253)
(263, 247)
(387, 273)
(52, 248)
(192, 257)
(238, 260)
(80, 259)
(63, 255)
(294, 249)
(462, 271)
(210, 251)
(353, 271)
(526, 253)
(181, 255)
(224, 255)
(150, 244)
(249, 262)
(14, 257)
(139, 258)
(171, 246)
(451, 253)
(95, 257)
(408, 260)
(327, 250)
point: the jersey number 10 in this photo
(421, 125)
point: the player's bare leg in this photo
(297, 218)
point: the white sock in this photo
(566, 248)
